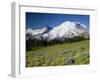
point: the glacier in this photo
(66, 29)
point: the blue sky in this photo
(38, 20)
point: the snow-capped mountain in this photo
(37, 33)
(67, 29)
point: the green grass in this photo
(54, 55)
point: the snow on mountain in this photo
(37, 33)
(66, 30)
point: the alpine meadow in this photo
(57, 39)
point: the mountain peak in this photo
(48, 27)
(67, 23)
(67, 29)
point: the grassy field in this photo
(75, 53)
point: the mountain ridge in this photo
(66, 29)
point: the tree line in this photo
(32, 44)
